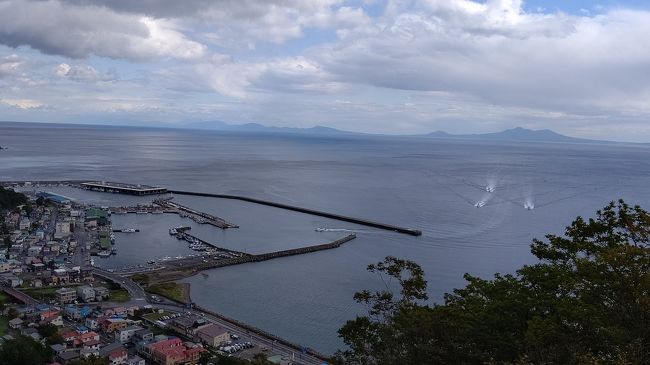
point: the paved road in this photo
(135, 291)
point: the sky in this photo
(577, 67)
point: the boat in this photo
(173, 231)
(113, 251)
(129, 230)
(529, 205)
(104, 254)
(480, 204)
(321, 230)
(141, 212)
(205, 275)
(490, 189)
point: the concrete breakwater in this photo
(179, 268)
(364, 222)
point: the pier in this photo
(199, 217)
(363, 222)
(113, 187)
(166, 270)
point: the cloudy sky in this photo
(385, 66)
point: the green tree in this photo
(24, 351)
(586, 301)
(51, 333)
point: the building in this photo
(213, 335)
(118, 357)
(66, 295)
(172, 351)
(143, 335)
(11, 280)
(111, 325)
(101, 293)
(186, 326)
(126, 334)
(86, 293)
(15, 323)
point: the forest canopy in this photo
(586, 301)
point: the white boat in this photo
(104, 254)
(129, 230)
(173, 231)
(480, 204)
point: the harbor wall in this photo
(364, 222)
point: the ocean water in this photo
(432, 185)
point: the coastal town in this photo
(57, 304)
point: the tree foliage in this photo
(586, 301)
(10, 199)
(24, 351)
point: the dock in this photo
(195, 215)
(339, 217)
(114, 187)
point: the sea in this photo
(479, 205)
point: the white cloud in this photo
(23, 103)
(78, 32)
(83, 73)
(9, 65)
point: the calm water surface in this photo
(432, 185)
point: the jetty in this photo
(114, 187)
(359, 221)
(195, 215)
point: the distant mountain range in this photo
(514, 134)
(259, 128)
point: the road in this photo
(135, 291)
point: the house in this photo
(172, 351)
(101, 293)
(69, 336)
(87, 337)
(135, 360)
(68, 356)
(86, 293)
(143, 335)
(126, 334)
(57, 349)
(113, 324)
(11, 280)
(87, 352)
(213, 335)
(66, 295)
(24, 224)
(118, 357)
(51, 316)
(186, 326)
(15, 323)
(92, 323)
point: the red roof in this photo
(117, 353)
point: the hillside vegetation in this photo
(586, 301)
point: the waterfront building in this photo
(213, 335)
